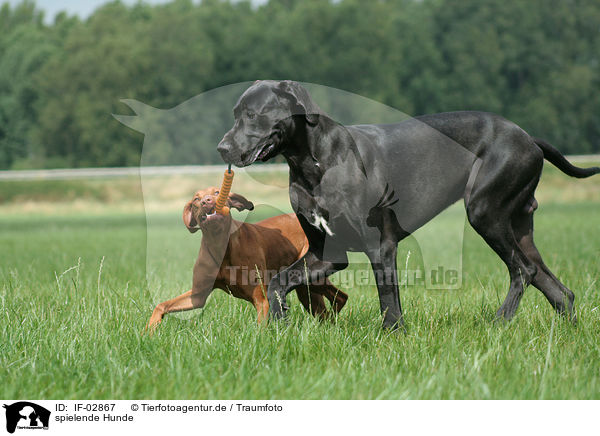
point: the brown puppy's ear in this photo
(239, 202)
(188, 219)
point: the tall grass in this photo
(74, 302)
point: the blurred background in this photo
(65, 65)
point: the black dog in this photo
(366, 187)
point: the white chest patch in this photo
(320, 222)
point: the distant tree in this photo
(23, 50)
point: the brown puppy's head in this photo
(199, 212)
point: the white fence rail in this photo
(91, 173)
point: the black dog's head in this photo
(267, 115)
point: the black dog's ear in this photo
(300, 98)
(239, 202)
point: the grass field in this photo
(80, 275)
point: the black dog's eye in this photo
(251, 115)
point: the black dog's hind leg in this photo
(500, 237)
(559, 296)
(306, 270)
(500, 193)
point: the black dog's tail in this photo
(556, 158)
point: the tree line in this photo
(534, 62)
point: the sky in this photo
(83, 8)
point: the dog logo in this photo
(26, 415)
(187, 134)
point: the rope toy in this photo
(220, 208)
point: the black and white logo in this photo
(26, 415)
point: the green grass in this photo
(77, 334)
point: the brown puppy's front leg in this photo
(187, 301)
(260, 302)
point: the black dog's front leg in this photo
(307, 270)
(383, 263)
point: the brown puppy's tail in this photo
(556, 158)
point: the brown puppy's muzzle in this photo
(207, 204)
(204, 209)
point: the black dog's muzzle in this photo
(263, 150)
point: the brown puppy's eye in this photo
(216, 192)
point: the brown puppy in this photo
(233, 254)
